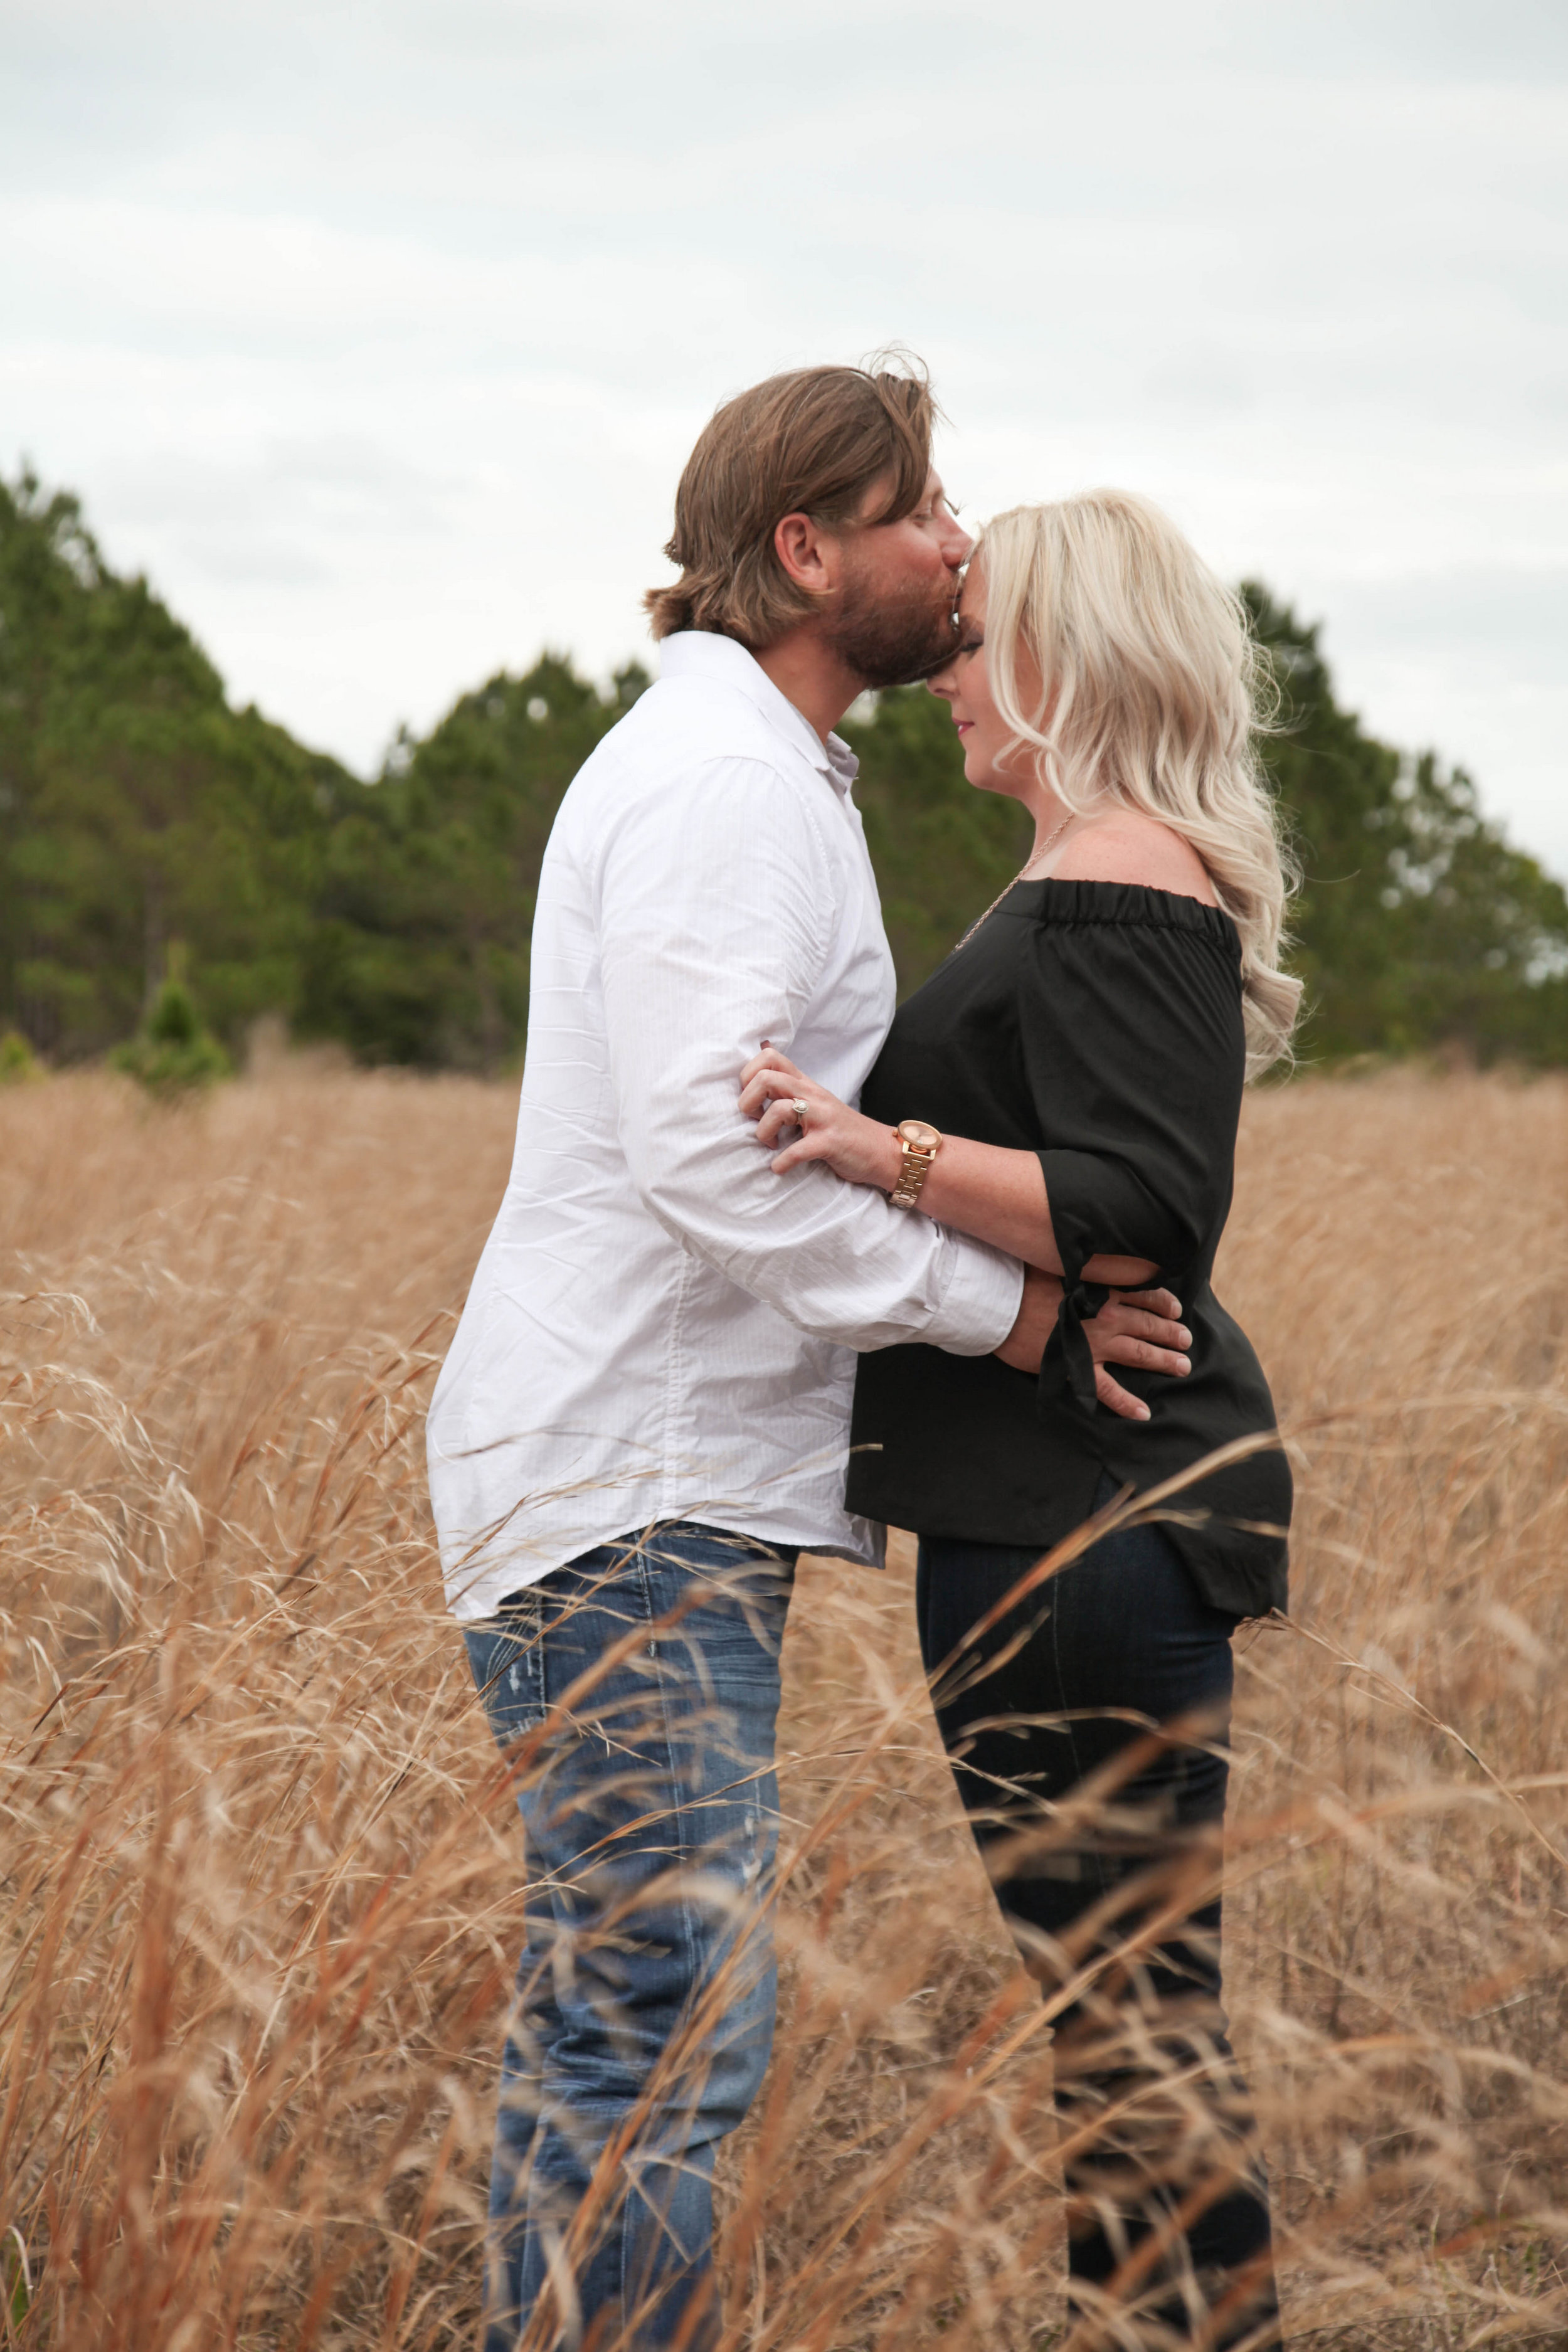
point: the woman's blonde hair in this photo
(1153, 692)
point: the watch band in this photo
(919, 1145)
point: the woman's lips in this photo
(964, 725)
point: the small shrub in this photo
(18, 1063)
(173, 1053)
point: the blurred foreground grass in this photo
(262, 1870)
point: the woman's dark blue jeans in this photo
(1102, 1837)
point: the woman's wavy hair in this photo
(1152, 693)
(816, 442)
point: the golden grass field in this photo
(262, 1867)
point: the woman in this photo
(1067, 1086)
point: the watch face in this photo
(918, 1135)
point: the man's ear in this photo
(809, 554)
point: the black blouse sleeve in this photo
(1134, 1054)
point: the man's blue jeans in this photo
(636, 1692)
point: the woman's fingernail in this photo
(767, 1041)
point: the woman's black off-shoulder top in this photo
(1099, 1025)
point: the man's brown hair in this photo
(813, 442)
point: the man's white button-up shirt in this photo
(660, 1326)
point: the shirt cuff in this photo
(981, 1295)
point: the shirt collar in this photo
(700, 652)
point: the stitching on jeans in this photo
(1054, 1618)
(645, 1582)
(540, 1652)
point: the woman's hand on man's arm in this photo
(860, 1149)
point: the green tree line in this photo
(139, 809)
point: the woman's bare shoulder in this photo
(1125, 846)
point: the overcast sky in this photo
(377, 333)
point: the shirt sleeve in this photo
(1133, 1045)
(716, 906)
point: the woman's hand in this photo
(853, 1147)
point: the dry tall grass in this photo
(262, 1866)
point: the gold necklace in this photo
(1034, 857)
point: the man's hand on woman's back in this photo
(1143, 1329)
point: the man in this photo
(644, 1417)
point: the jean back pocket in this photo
(506, 1657)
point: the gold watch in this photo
(919, 1145)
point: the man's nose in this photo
(955, 547)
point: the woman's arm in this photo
(1000, 1197)
(996, 1195)
(1005, 1193)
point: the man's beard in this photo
(892, 640)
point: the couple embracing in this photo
(777, 1267)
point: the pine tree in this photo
(172, 1053)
